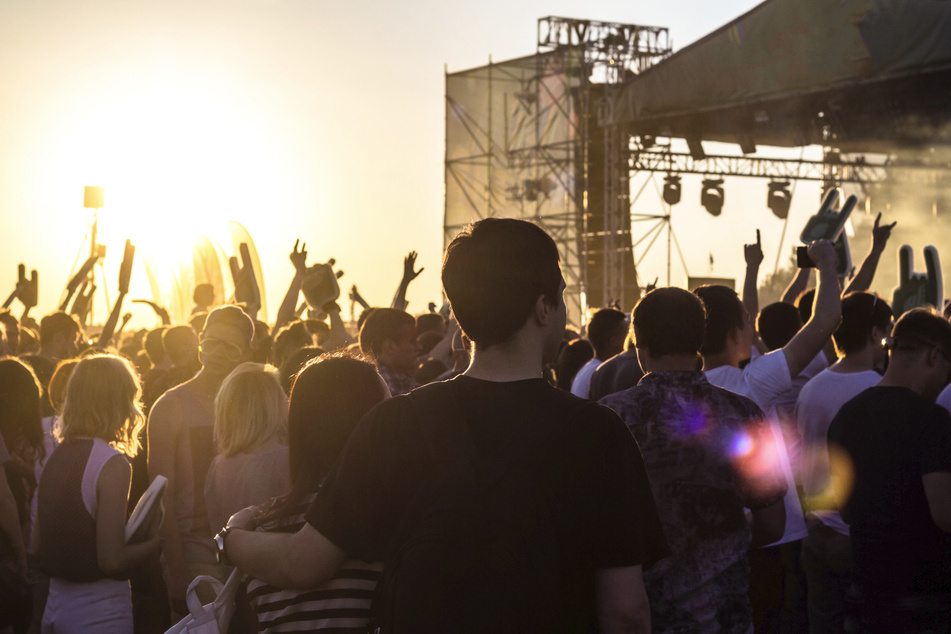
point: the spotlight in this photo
(778, 199)
(671, 189)
(711, 196)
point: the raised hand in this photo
(753, 253)
(356, 297)
(299, 258)
(246, 289)
(159, 310)
(320, 284)
(83, 301)
(125, 270)
(78, 279)
(409, 263)
(880, 234)
(822, 252)
(917, 289)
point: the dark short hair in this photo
(493, 273)
(383, 324)
(860, 313)
(429, 321)
(778, 323)
(804, 304)
(669, 321)
(204, 294)
(603, 325)
(231, 315)
(154, 346)
(920, 328)
(571, 358)
(723, 314)
(58, 322)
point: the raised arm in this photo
(246, 289)
(125, 274)
(753, 254)
(796, 286)
(286, 313)
(826, 313)
(409, 274)
(866, 273)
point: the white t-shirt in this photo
(581, 385)
(819, 402)
(764, 380)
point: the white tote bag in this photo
(211, 618)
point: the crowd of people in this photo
(699, 464)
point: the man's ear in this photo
(543, 310)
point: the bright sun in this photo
(179, 154)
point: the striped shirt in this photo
(341, 604)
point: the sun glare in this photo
(180, 153)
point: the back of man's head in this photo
(153, 344)
(493, 273)
(181, 344)
(920, 330)
(669, 321)
(860, 313)
(723, 315)
(383, 324)
(777, 324)
(204, 295)
(430, 322)
(606, 324)
(58, 323)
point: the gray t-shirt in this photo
(239, 481)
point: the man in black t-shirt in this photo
(559, 482)
(896, 444)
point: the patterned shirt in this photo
(709, 453)
(398, 382)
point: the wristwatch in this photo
(220, 546)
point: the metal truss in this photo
(835, 168)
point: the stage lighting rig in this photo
(672, 189)
(778, 199)
(712, 196)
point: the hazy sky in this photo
(317, 120)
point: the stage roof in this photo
(876, 73)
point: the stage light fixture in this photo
(712, 196)
(778, 199)
(672, 189)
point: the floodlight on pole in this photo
(712, 196)
(778, 199)
(672, 189)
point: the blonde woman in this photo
(251, 431)
(82, 501)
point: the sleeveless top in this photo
(66, 509)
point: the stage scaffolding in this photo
(522, 141)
